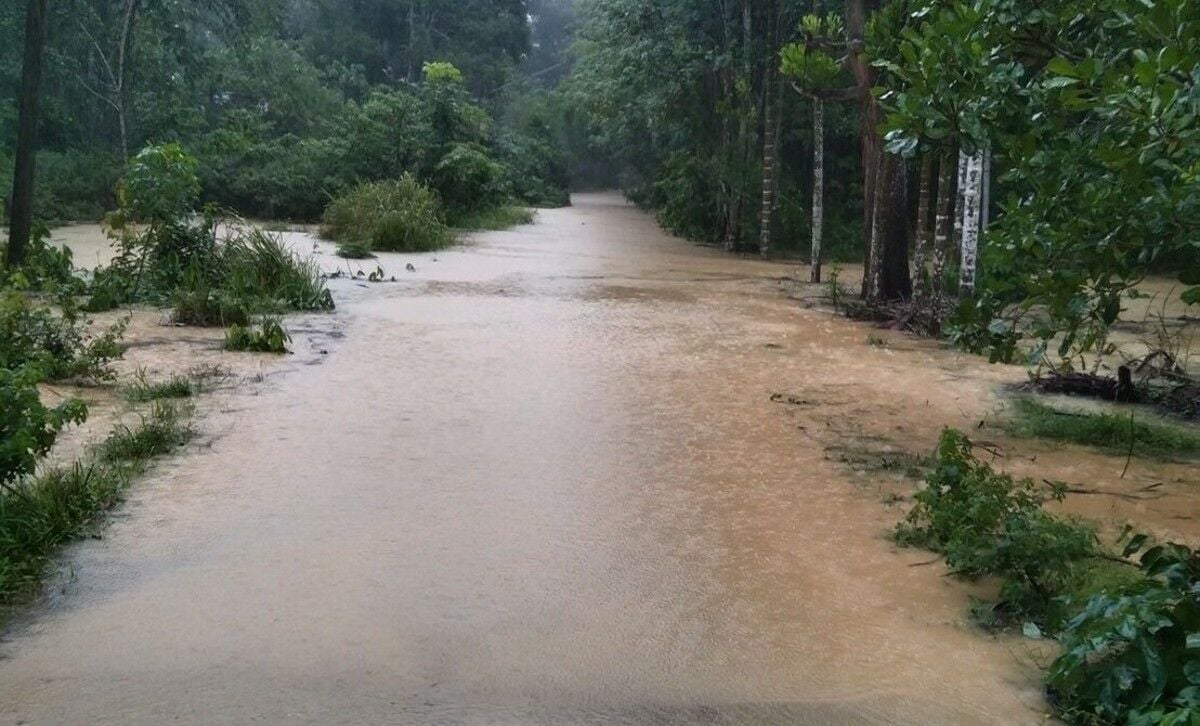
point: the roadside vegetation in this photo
(1129, 628)
(40, 511)
(1120, 433)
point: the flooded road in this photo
(540, 480)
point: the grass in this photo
(260, 268)
(354, 251)
(163, 431)
(876, 341)
(143, 389)
(495, 218)
(41, 513)
(176, 386)
(1111, 432)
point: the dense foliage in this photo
(283, 104)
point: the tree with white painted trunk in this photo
(815, 74)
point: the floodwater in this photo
(539, 480)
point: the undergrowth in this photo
(1116, 433)
(989, 524)
(41, 512)
(164, 430)
(495, 218)
(1130, 631)
(388, 216)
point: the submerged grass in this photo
(495, 218)
(41, 513)
(164, 430)
(144, 390)
(1113, 432)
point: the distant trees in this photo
(280, 100)
(26, 146)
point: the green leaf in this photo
(1062, 67)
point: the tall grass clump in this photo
(39, 514)
(258, 266)
(388, 216)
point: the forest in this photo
(1003, 177)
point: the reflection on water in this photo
(539, 481)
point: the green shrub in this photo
(268, 337)
(989, 524)
(75, 185)
(390, 216)
(1117, 433)
(495, 218)
(160, 185)
(57, 345)
(468, 180)
(1133, 656)
(45, 269)
(28, 429)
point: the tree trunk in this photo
(895, 281)
(26, 151)
(745, 145)
(985, 206)
(886, 265)
(960, 199)
(121, 90)
(818, 198)
(874, 269)
(972, 192)
(944, 224)
(920, 273)
(771, 123)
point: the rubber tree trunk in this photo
(943, 225)
(886, 263)
(818, 197)
(772, 107)
(874, 268)
(27, 121)
(744, 105)
(920, 272)
(972, 195)
(895, 281)
(960, 199)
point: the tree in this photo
(816, 75)
(24, 166)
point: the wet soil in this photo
(543, 479)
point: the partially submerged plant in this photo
(989, 524)
(268, 336)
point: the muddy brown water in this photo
(539, 480)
